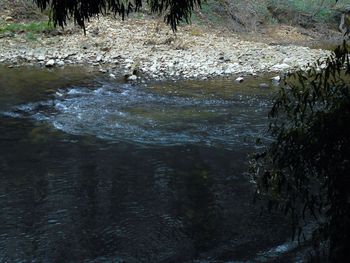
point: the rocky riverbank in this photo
(149, 49)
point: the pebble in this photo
(9, 19)
(186, 57)
(239, 79)
(132, 78)
(41, 57)
(280, 67)
(98, 58)
(60, 63)
(50, 63)
(276, 79)
(128, 61)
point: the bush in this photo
(305, 171)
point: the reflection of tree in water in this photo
(197, 207)
(90, 239)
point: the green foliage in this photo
(175, 11)
(305, 171)
(303, 12)
(211, 11)
(34, 27)
(31, 37)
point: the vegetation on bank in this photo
(237, 15)
(305, 171)
(31, 30)
(255, 14)
(32, 27)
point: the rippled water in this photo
(98, 171)
(123, 112)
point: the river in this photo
(99, 170)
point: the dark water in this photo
(98, 171)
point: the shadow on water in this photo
(95, 171)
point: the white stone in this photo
(60, 63)
(280, 67)
(229, 70)
(239, 79)
(129, 61)
(132, 78)
(276, 79)
(289, 60)
(9, 19)
(41, 57)
(50, 63)
(98, 58)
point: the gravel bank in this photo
(148, 49)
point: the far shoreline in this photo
(147, 54)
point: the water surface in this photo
(94, 170)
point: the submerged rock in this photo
(264, 86)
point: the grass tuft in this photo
(33, 27)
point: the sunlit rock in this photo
(132, 78)
(239, 79)
(276, 79)
(280, 67)
(50, 63)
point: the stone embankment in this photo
(150, 49)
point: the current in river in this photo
(100, 170)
